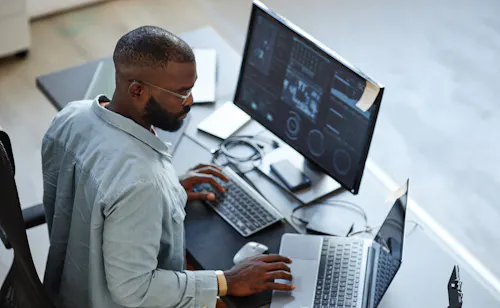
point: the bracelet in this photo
(222, 283)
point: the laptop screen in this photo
(391, 234)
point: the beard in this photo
(161, 118)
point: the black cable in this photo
(342, 203)
(366, 228)
(298, 218)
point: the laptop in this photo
(204, 90)
(103, 80)
(344, 272)
(225, 121)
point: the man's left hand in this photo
(202, 174)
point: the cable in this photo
(366, 229)
(253, 142)
(371, 229)
(343, 203)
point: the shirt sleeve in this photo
(50, 170)
(131, 243)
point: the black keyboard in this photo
(241, 205)
(338, 276)
(387, 268)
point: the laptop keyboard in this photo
(238, 208)
(387, 268)
(338, 277)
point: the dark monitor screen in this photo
(307, 96)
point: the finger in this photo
(200, 166)
(277, 266)
(274, 258)
(279, 286)
(200, 196)
(279, 275)
(205, 178)
(214, 172)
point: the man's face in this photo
(165, 110)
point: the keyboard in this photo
(387, 268)
(241, 206)
(338, 276)
(307, 59)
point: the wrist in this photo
(221, 283)
(229, 281)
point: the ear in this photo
(136, 90)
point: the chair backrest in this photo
(5, 141)
(22, 287)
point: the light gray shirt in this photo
(115, 213)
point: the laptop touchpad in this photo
(304, 247)
(304, 274)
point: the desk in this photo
(211, 243)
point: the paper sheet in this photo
(368, 97)
(398, 193)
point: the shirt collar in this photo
(130, 127)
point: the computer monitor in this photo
(308, 96)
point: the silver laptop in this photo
(204, 90)
(344, 272)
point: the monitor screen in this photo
(308, 96)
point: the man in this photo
(114, 205)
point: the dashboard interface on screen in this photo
(307, 97)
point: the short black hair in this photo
(151, 47)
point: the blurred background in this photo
(439, 122)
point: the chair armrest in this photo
(34, 216)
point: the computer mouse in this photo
(248, 250)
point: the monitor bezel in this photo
(259, 6)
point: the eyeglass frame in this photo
(183, 97)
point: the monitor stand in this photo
(321, 184)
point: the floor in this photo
(440, 119)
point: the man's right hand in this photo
(257, 274)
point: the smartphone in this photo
(293, 178)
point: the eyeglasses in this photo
(183, 97)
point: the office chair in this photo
(22, 287)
